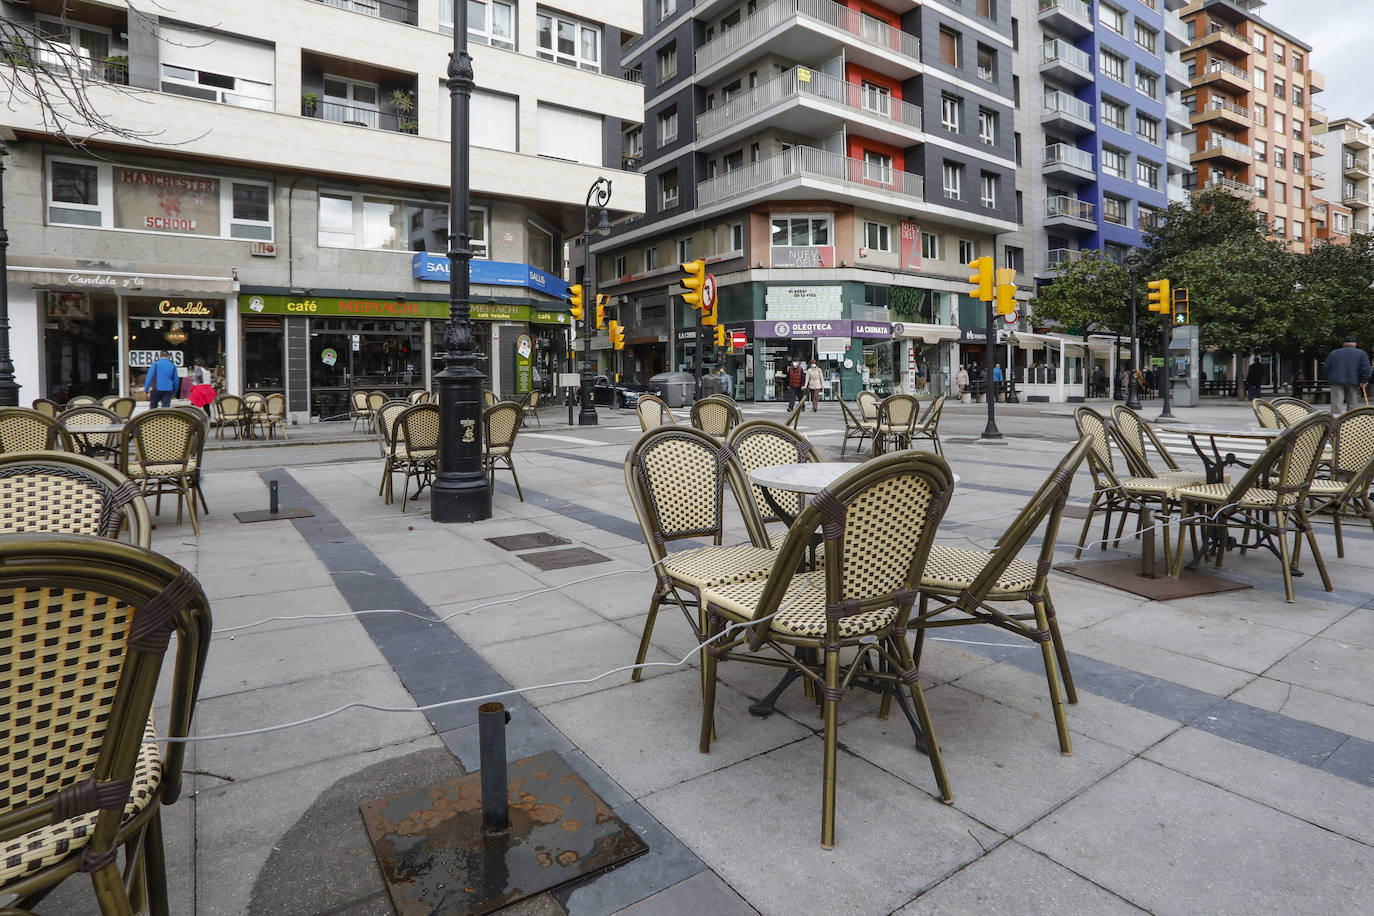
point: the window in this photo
(877, 237)
(734, 160)
(1297, 229)
(1279, 88)
(1278, 52)
(729, 22)
(1016, 90)
(1147, 129)
(209, 65)
(650, 259)
(667, 190)
(873, 28)
(988, 187)
(491, 22)
(1016, 146)
(1112, 65)
(949, 47)
(984, 8)
(987, 63)
(375, 222)
(634, 144)
(800, 231)
(1147, 174)
(1279, 158)
(987, 127)
(1297, 163)
(1113, 162)
(1112, 18)
(1114, 209)
(1014, 258)
(1146, 83)
(1261, 186)
(684, 250)
(951, 111)
(1278, 123)
(877, 167)
(1280, 227)
(1113, 113)
(666, 8)
(1297, 95)
(111, 196)
(1280, 192)
(1146, 37)
(1261, 150)
(1260, 78)
(1147, 219)
(667, 62)
(1297, 126)
(568, 41)
(1258, 41)
(1015, 34)
(1297, 196)
(968, 251)
(565, 133)
(1261, 116)
(877, 98)
(667, 126)
(1342, 223)
(622, 267)
(737, 236)
(953, 180)
(930, 246)
(495, 123)
(79, 50)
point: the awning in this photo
(930, 333)
(86, 279)
(1029, 341)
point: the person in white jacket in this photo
(961, 380)
(814, 382)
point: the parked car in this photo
(623, 394)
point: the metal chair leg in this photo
(1047, 651)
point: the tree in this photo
(1334, 295)
(1241, 293)
(1209, 218)
(1092, 294)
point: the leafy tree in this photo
(1241, 293)
(1334, 295)
(1092, 294)
(1211, 216)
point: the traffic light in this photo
(601, 300)
(1006, 291)
(575, 301)
(982, 279)
(1181, 315)
(617, 333)
(695, 281)
(1159, 298)
(723, 338)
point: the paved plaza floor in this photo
(1223, 746)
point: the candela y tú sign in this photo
(195, 309)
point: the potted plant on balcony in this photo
(117, 69)
(309, 101)
(404, 102)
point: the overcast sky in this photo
(1342, 38)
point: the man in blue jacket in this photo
(162, 381)
(1347, 370)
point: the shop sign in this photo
(550, 317)
(803, 256)
(426, 266)
(787, 302)
(325, 307)
(69, 305)
(166, 202)
(105, 281)
(142, 359)
(190, 308)
(871, 329)
(524, 366)
(911, 246)
(802, 329)
(494, 311)
(972, 335)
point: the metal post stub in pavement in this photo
(437, 858)
(491, 739)
(273, 511)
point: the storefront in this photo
(924, 352)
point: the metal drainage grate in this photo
(534, 539)
(564, 559)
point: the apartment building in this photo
(1347, 146)
(277, 204)
(1252, 113)
(837, 165)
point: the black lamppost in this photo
(989, 386)
(1132, 262)
(460, 492)
(600, 191)
(9, 388)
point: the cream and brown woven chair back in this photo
(384, 422)
(255, 402)
(92, 416)
(123, 407)
(375, 400)
(229, 409)
(417, 428)
(358, 400)
(1291, 410)
(108, 400)
(765, 444)
(678, 475)
(1354, 440)
(489, 398)
(1266, 414)
(931, 420)
(417, 396)
(25, 430)
(165, 440)
(1299, 451)
(653, 412)
(276, 406)
(47, 407)
(868, 404)
(502, 422)
(1092, 424)
(82, 400)
(899, 410)
(1130, 430)
(715, 415)
(61, 493)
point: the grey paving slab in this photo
(1308, 615)
(253, 609)
(645, 735)
(1015, 881)
(1175, 844)
(1207, 634)
(704, 892)
(667, 863)
(773, 804)
(301, 571)
(484, 626)
(249, 659)
(1329, 801)
(1163, 664)
(1331, 666)
(1354, 760)
(1277, 734)
(1355, 627)
(472, 583)
(1313, 706)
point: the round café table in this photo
(1216, 463)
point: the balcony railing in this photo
(1216, 28)
(1230, 184)
(808, 162)
(1221, 66)
(802, 81)
(57, 58)
(1177, 111)
(1239, 150)
(394, 10)
(364, 117)
(1350, 196)
(1075, 8)
(826, 12)
(1360, 225)
(1057, 49)
(1064, 207)
(1063, 154)
(1064, 103)
(1353, 164)
(1056, 258)
(1215, 104)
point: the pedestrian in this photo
(1099, 382)
(1347, 371)
(796, 377)
(961, 381)
(976, 377)
(202, 387)
(727, 384)
(815, 380)
(162, 381)
(1254, 379)
(998, 376)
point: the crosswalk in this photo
(1245, 450)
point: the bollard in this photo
(491, 741)
(272, 497)
(1147, 544)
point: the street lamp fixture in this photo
(598, 196)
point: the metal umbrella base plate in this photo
(436, 858)
(1125, 575)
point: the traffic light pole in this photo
(1133, 262)
(1168, 373)
(989, 386)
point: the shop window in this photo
(189, 329)
(568, 41)
(794, 231)
(264, 354)
(81, 345)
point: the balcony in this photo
(1356, 137)
(394, 10)
(1062, 61)
(1071, 212)
(809, 103)
(1316, 81)
(1353, 165)
(1175, 32)
(363, 116)
(1354, 197)
(804, 172)
(1222, 148)
(808, 30)
(1219, 71)
(1060, 158)
(1222, 111)
(1175, 73)
(1360, 225)
(1315, 146)
(1072, 17)
(1230, 185)
(1059, 258)
(1065, 113)
(1222, 40)
(1316, 114)
(1316, 179)
(1177, 114)
(1178, 154)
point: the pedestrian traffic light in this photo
(617, 333)
(1181, 315)
(1159, 297)
(981, 279)
(1006, 291)
(601, 300)
(575, 301)
(723, 338)
(695, 281)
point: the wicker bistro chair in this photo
(764, 444)
(499, 427)
(1269, 500)
(1346, 493)
(879, 523)
(108, 400)
(256, 405)
(676, 477)
(197, 460)
(529, 408)
(357, 403)
(375, 400)
(794, 417)
(81, 777)
(896, 420)
(928, 427)
(971, 586)
(93, 444)
(1291, 410)
(230, 411)
(165, 444)
(1267, 415)
(122, 407)
(855, 427)
(418, 396)
(25, 430)
(715, 415)
(868, 405)
(274, 414)
(82, 400)
(489, 398)
(57, 492)
(383, 424)
(653, 412)
(414, 449)
(47, 406)
(1131, 434)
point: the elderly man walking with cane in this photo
(1347, 371)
